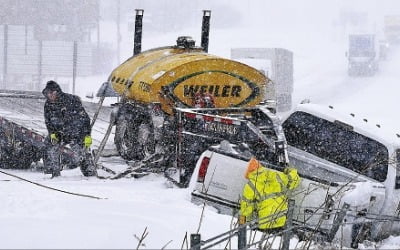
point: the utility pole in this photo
(118, 31)
(98, 33)
(74, 65)
(5, 58)
(40, 62)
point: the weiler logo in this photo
(215, 90)
(225, 87)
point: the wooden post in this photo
(288, 227)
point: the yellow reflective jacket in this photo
(266, 194)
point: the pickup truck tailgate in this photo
(223, 182)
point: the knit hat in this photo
(51, 86)
(252, 166)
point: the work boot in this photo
(51, 161)
(88, 169)
(55, 174)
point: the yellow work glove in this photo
(53, 138)
(87, 141)
(288, 169)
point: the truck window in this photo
(337, 144)
(361, 46)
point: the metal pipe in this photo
(242, 239)
(287, 234)
(137, 46)
(337, 222)
(195, 241)
(205, 29)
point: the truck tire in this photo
(134, 136)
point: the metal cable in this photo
(51, 188)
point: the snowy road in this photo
(374, 98)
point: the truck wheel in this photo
(123, 138)
(134, 137)
(145, 139)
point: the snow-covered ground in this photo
(35, 217)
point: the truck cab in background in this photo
(341, 160)
(392, 29)
(363, 55)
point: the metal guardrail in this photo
(287, 232)
(21, 94)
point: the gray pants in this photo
(54, 160)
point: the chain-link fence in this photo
(26, 62)
(245, 234)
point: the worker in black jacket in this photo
(67, 123)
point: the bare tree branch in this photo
(141, 239)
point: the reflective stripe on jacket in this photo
(265, 196)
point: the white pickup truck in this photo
(340, 160)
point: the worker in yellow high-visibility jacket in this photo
(265, 196)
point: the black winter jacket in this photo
(67, 118)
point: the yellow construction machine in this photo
(153, 83)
